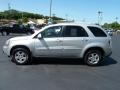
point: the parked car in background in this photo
(89, 42)
(0, 28)
(118, 31)
(110, 32)
(16, 28)
(36, 27)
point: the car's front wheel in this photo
(21, 56)
(93, 57)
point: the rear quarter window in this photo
(97, 32)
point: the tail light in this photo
(110, 43)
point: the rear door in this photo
(73, 40)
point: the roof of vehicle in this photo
(63, 24)
(81, 24)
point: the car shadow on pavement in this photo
(108, 61)
(57, 61)
(66, 61)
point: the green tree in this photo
(19, 21)
(25, 19)
(114, 25)
(16, 15)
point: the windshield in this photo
(40, 30)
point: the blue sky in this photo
(78, 10)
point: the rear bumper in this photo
(108, 52)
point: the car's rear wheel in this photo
(93, 57)
(21, 56)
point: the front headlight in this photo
(7, 42)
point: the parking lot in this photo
(60, 74)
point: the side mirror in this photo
(39, 36)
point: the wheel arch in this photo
(94, 48)
(19, 46)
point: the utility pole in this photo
(22, 15)
(116, 19)
(116, 22)
(50, 17)
(100, 17)
(66, 17)
(9, 8)
(84, 20)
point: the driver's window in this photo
(52, 32)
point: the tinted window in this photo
(97, 32)
(52, 32)
(74, 31)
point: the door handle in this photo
(59, 40)
(86, 40)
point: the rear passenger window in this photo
(97, 32)
(74, 31)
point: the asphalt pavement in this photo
(60, 74)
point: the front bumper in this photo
(6, 50)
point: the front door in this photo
(51, 42)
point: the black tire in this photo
(8, 33)
(93, 57)
(29, 33)
(32, 32)
(21, 56)
(4, 33)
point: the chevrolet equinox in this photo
(89, 42)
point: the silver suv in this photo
(89, 42)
